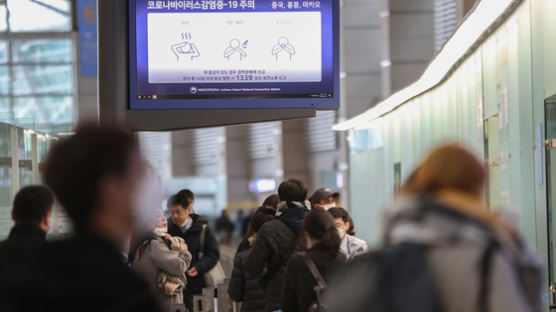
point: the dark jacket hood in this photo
(294, 215)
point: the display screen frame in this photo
(257, 101)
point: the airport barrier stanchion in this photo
(224, 302)
(198, 303)
(552, 298)
(206, 301)
(178, 308)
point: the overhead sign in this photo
(199, 54)
(87, 22)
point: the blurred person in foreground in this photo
(31, 214)
(443, 249)
(277, 241)
(309, 272)
(351, 246)
(268, 208)
(323, 198)
(162, 260)
(244, 287)
(191, 227)
(99, 178)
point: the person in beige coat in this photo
(162, 260)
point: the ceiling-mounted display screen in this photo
(213, 54)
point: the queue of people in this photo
(442, 249)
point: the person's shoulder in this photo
(173, 229)
(340, 259)
(159, 242)
(271, 228)
(277, 223)
(297, 258)
(4, 244)
(199, 219)
(243, 255)
(357, 241)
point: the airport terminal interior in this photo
(385, 108)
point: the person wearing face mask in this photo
(322, 198)
(351, 246)
(321, 253)
(162, 260)
(190, 226)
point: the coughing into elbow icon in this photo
(283, 47)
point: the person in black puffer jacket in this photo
(277, 241)
(244, 287)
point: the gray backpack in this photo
(397, 277)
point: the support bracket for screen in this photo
(114, 86)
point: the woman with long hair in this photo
(313, 266)
(268, 208)
(162, 260)
(245, 287)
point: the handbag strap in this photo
(314, 271)
(202, 240)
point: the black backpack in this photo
(320, 287)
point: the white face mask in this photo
(160, 231)
(147, 200)
(328, 206)
(184, 223)
(309, 244)
(341, 233)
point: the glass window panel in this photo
(25, 144)
(45, 109)
(39, 15)
(5, 200)
(5, 112)
(24, 154)
(41, 51)
(3, 22)
(25, 177)
(5, 141)
(4, 80)
(35, 79)
(3, 52)
(24, 151)
(43, 146)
